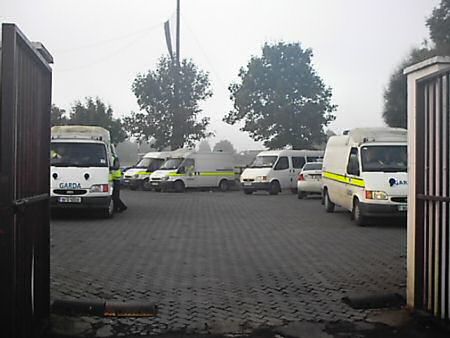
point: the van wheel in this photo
(179, 186)
(109, 211)
(146, 185)
(248, 191)
(274, 188)
(301, 195)
(356, 214)
(329, 206)
(223, 185)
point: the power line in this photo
(104, 42)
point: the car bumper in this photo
(253, 186)
(86, 203)
(383, 210)
(310, 187)
(131, 182)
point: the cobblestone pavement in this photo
(224, 262)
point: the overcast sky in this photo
(100, 45)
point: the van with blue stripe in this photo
(365, 172)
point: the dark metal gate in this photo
(432, 198)
(25, 99)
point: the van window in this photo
(298, 162)
(171, 164)
(282, 164)
(264, 162)
(314, 158)
(353, 163)
(66, 154)
(188, 166)
(384, 158)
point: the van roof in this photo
(367, 135)
(80, 132)
(158, 154)
(291, 152)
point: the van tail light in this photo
(105, 187)
(301, 177)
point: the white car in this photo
(309, 180)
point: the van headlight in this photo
(165, 178)
(261, 178)
(136, 175)
(99, 188)
(376, 195)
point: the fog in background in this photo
(100, 45)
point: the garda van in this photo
(81, 158)
(276, 170)
(201, 170)
(365, 172)
(159, 177)
(139, 175)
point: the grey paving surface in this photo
(225, 262)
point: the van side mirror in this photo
(353, 168)
(181, 170)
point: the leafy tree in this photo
(204, 147)
(169, 98)
(93, 112)
(439, 25)
(281, 99)
(395, 95)
(224, 146)
(57, 116)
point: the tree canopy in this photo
(58, 116)
(224, 146)
(169, 98)
(280, 98)
(93, 112)
(204, 147)
(395, 95)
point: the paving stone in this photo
(225, 260)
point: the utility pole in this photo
(178, 33)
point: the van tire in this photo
(224, 186)
(329, 206)
(146, 185)
(248, 191)
(179, 186)
(301, 195)
(356, 214)
(274, 188)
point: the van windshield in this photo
(65, 154)
(384, 158)
(151, 163)
(264, 162)
(171, 164)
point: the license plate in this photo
(155, 183)
(69, 199)
(247, 183)
(126, 181)
(402, 208)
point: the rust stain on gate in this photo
(25, 103)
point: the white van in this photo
(365, 172)
(275, 170)
(139, 175)
(81, 158)
(196, 170)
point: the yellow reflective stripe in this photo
(207, 173)
(144, 173)
(358, 182)
(218, 173)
